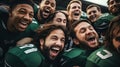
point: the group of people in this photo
(46, 37)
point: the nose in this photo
(26, 16)
(48, 7)
(114, 2)
(88, 32)
(58, 42)
(92, 13)
(64, 24)
(77, 8)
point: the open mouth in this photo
(54, 51)
(92, 17)
(23, 25)
(46, 13)
(91, 40)
(76, 14)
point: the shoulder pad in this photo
(74, 52)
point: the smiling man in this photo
(74, 10)
(93, 12)
(46, 8)
(85, 40)
(108, 56)
(50, 41)
(13, 23)
(114, 7)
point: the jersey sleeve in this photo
(24, 56)
(72, 58)
(101, 58)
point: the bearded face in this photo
(47, 7)
(114, 7)
(53, 44)
(86, 33)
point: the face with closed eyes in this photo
(87, 34)
(53, 44)
(60, 18)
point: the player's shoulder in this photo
(25, 49)
(21, 53)
(104, 57)
(107, 16)
(73, 52)
(100, 55)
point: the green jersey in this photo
(74, 57)
(102, 23)
(24, 56)
(103, 57)
(8, 38)
(33, 26)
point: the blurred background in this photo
(61, 4)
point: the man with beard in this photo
(50, 41)
(99, 20)
(114, 7)
(108, 56)
(103, 22)
(13, 24)
(46, 8)
(85, 40)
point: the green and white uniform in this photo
(34, 25)
(102, 23)
(74, 57)
(104, 57)
(8, 39)
(24, 56)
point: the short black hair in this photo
(12, 3)
(117, 1)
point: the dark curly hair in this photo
(113, 30)
(45, 30)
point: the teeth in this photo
(47, 9)
(90, 38)
(46, 12)
(92, 17)
(24, 23)
(76, 14)
(54, 48)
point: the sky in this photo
(101, 2)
